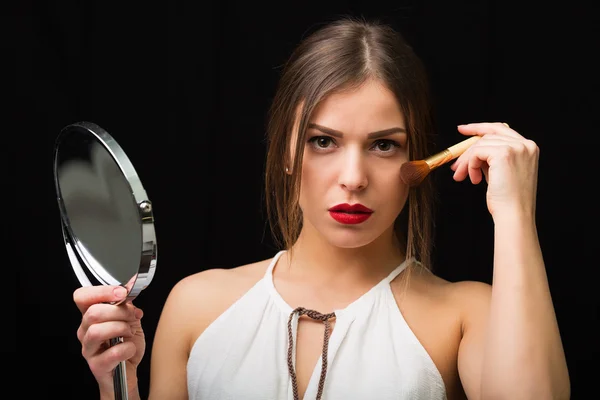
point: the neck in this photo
(314, 259)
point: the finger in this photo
(475, 159)
(98, 313)
(490, 140)
(85, 296)
(484, 128)
(486, 172)
(97, 335)
(474, 168)
(479, 158)
(461, 170)
(108, 360)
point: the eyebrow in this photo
(372, 135)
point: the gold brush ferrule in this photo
(438, 159)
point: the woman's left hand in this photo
(509, 163)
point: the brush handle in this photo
(450, 153)
(461, 147)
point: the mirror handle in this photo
(120, 375)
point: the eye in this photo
(386, 145)
(321, 142)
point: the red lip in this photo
(350, 214)
(358, 208)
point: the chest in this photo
(436, 328)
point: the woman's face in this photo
(355, 145)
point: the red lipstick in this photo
(350, 214)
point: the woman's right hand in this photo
(101, 322)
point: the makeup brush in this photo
(414, 172)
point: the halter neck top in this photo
(248, 352)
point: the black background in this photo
(184, 88)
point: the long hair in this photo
(340, 56)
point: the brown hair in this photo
(341, 56)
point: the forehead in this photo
(370, 107)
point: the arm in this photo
(523, 340)
(511, 346)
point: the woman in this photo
(349, 309)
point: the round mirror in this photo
(106, 217)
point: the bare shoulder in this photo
(465, 299)
(469, 291)
(214, 286)
(473, 300)
(459, 292)
(200, 298)
(213, 281)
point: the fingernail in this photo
(120, 292)
(138, 313)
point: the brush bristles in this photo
(414, 172)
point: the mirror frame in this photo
(147, 266)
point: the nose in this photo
(353, 171)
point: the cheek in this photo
(402, 197)
(310, 178)
(396, 190)
(317, 177)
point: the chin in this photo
(350, 238)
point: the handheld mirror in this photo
(106, 217)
